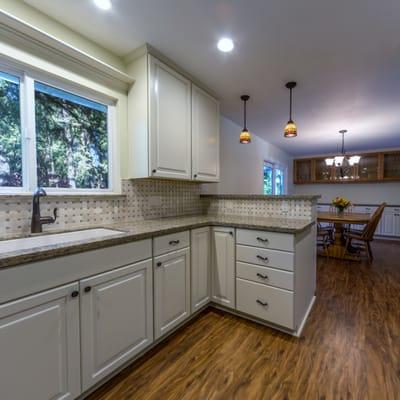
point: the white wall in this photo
(358, 193)
(242, 164)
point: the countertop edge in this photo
(126, 237)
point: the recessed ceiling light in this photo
(225, 45)
(103, 4)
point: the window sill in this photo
(61, 196)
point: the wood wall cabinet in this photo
(373, 167)
(200, 267)
(171, 290)
(223, 266)
(173, 124)
(116, 319)
(40, 349)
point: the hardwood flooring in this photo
(349, 349)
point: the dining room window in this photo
(274, 178)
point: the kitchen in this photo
(155, 243)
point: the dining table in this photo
(339, 220)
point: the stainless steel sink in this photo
(33, 242)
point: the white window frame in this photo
(275, 166)
(28, 129)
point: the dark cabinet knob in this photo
(87, 289)
(154, 171)
(75, 293)
(159, 264)
(195, 176)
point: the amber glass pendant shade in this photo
(290, 129)
(245, 137)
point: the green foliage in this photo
(72, 144)
(268, 179)
(10, 135)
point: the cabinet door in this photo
(205, 136)
(116, 319)
(388, 224)
(39, 342)
(223, 266)
(171, 290)
(397, 224)
(200, 267)
(169, 122)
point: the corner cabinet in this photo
(200, 267)
(40, 350)
(223, 266)
(205, 136)
(173, 125)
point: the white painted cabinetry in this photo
(223, 266)
(39, 346)
(116, 319)
(173, 125)
(171, 290)
(169, 122)
(200, 267)
(205, 136)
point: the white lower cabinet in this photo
(223, 266)
(116, 319)
(200, 267)
(39, 346)
(171, 290)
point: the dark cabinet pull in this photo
(195, 176)
(159, 264)
(265, 259)
(231, 233)
(174, 242)
(262, 276)
(262, 240)
(263, 303)
(87, 289)
(154, 171)
(75, 293)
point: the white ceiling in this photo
(345, 56)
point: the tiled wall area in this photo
(143, 199)
(296, 208)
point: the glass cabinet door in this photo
(303, 171)
(323, 172)
(367, 169)
(391, 165)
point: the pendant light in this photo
(245, 137)
(290, 128)
(339, 159)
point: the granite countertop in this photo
(138, 230)
(261, 196)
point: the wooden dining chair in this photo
(323, 238)
(362, 239)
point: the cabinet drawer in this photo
(265, 302)
(265, 275)
(174, 241)
(265, 257)
(268, 240)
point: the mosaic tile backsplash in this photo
(296, 209)
(144, 199)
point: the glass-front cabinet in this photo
(391, 165)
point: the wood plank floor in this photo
(349, 349)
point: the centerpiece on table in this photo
(341, 204)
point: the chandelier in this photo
(340, 158)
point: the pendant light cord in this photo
(290, 105)
(245, 116)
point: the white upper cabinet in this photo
(39, 342)
(116, 319)
(205, 136)
(169, 122)
(172, 132)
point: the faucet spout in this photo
(37, 221)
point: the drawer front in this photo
(174, 241)
(265, 275)
(265, 257)
(268, 303)
(267, 240)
